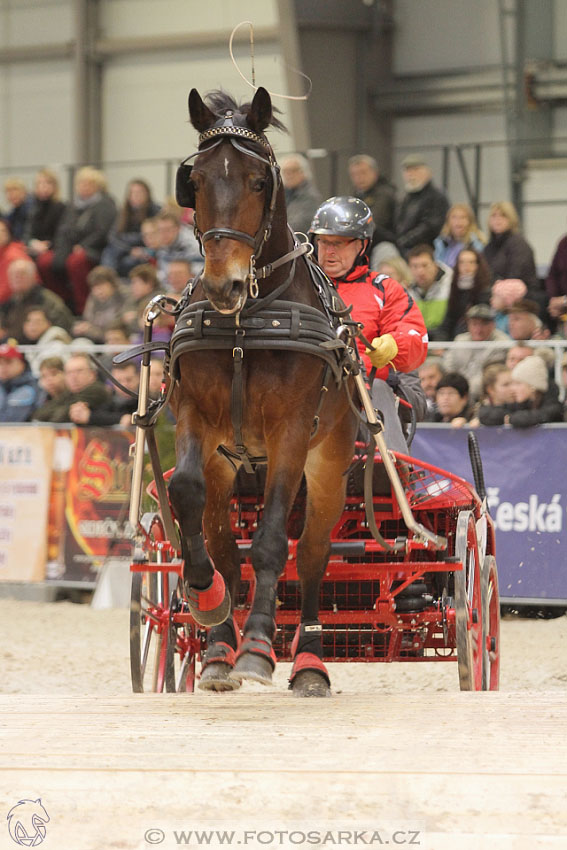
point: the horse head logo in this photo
(26, 823)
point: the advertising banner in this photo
(89, 502)
(524, 471)
(25, 474)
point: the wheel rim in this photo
(491, 625)
(149, 617)
(468, 605)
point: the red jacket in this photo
(385, 307)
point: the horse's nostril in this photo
(237, 286)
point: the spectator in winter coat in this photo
(524, 321)
(106, 301)
(45, 215)
(507, 253)
(556, 282)
(80, 240)
(21, 203)
(430, 287)
(452, 400)
(28, 292)
(470, 362)
(423, 209)
(536, 398)
(46, 338)
(18, 387)
(119, 407)
(430, 373)
(176, 242)
(497, 392)
(459, 231)
(301, 195)
(377, 192)
(470, 284)
(81, 384)
(126, 247)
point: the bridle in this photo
(225, 128)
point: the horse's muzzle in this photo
(228, 298)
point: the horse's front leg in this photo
(208, 597)
(256, 658)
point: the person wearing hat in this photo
(423, 209)
(536, 399)
(18, 387)
(452, 400)
(480, 319)
(342, 230)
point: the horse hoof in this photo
(210, 607)
(253, 668)
(215, 677)
(309, 683)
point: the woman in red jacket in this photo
(9, 251)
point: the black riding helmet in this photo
(345, 215)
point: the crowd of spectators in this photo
(80, 273)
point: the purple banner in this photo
(524, 472)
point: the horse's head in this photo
(235, 180)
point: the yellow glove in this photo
(383, 351)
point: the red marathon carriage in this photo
(423, 588)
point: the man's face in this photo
(167, 232)
(423, 269)
(21, 278)
(337, 254)
(78, 374)
(416, 177)
(450, 402)
(521, 325)
(429, 377)
(362, 176)
(128, 377)
(292, 174)
(480, 329)
(35, 324)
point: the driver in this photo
(342, 232)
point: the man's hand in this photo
(384, 349)
(80, 413)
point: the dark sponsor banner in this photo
(524, 472)
(88, 520)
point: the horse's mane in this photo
(219, 101)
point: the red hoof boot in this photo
(309, 676)
(211, 606)
(255, 661)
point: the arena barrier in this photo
(64, 496)
(524, 471)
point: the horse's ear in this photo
(201, 116)
(260, 113)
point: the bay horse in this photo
(255, 402)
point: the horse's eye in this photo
(259, 185)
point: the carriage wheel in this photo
(490, 625)
(149, 617)
(468, 605)
(182, 647)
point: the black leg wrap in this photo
(225, 633)
(309, 638)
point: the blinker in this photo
(184, 189)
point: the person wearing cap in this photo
(452, 400)
(470, 285)
(470, 362)
(18, 387)
(524, 321)
(535, 397)
(342, 231)
(422, 212)
(301, 195)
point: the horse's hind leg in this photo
(208, 597)
(326, 487)
(223, 639)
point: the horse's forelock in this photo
(219, 101)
